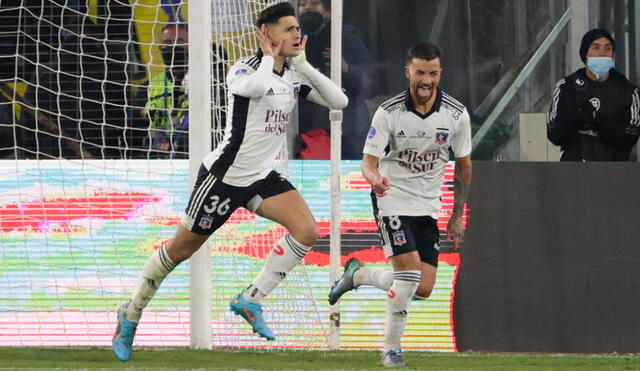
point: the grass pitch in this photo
(188, 359)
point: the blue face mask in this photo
(600, 65)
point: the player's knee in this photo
(181, 252)
(423, 292)
(183, 245)
(308, 234)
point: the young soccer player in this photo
(262, 93)
(405, 155)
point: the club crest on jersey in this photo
(242, 71)
(205, 222)
(441, 137)
(399, 238)
(296, 92)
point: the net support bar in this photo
(521, 78)
(336, 154)
(199, 147)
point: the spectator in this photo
(594, 114)
(218, 91)
(357, 77)
(167, 103)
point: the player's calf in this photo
(404, 286)
(285, 256)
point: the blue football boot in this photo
(123, 337)
(252, 313)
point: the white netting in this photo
(94, 136)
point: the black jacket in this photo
(594, 121)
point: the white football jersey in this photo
(414, 148)
(256, 126)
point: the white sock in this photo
(281, 260)
(157, 267)
(381, 279)
(405, 284)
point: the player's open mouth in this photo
(425, 90)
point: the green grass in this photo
(187, 359)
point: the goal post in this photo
(336, 155)
(200, 84)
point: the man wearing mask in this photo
(167, 105)
(357, 78)
(595, 112)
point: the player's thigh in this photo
(184, 243)
(290, 210)
(279, 201)
(428, 240)
(399, 242)
(427, 237)
(406, 261)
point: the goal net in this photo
(94, 176)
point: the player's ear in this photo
(406, 72)
(270, 29)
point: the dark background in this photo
(551, 259)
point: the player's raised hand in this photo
(302, 56)
(380, 186)
(303, 43)
(455, 231)
(268, 46)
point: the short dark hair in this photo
(424, 50)
(272, 14)
(592, 36)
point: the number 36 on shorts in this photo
(216, 207)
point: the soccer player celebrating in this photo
(262, 93)
(405, 155)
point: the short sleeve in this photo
(461, 144)
(378, 135)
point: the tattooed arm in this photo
(461, 183)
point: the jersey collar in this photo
(435, 108)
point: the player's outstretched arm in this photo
(369, 167)
(461, 184)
